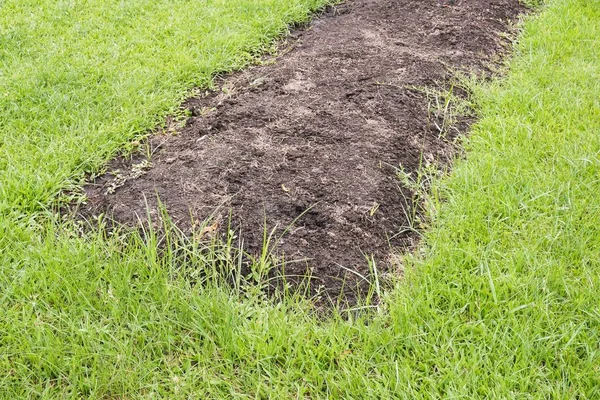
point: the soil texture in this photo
(310, 143)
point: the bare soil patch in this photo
(320, 132)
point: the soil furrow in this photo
(320, 132)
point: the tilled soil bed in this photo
(318, 133)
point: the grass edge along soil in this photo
(503, 304)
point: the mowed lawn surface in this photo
(501, 303)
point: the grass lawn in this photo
(80, 79)
(501, 302)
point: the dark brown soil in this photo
(320, 133)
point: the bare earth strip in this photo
(322, 129)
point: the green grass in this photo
(500, 303)
(79, 79)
